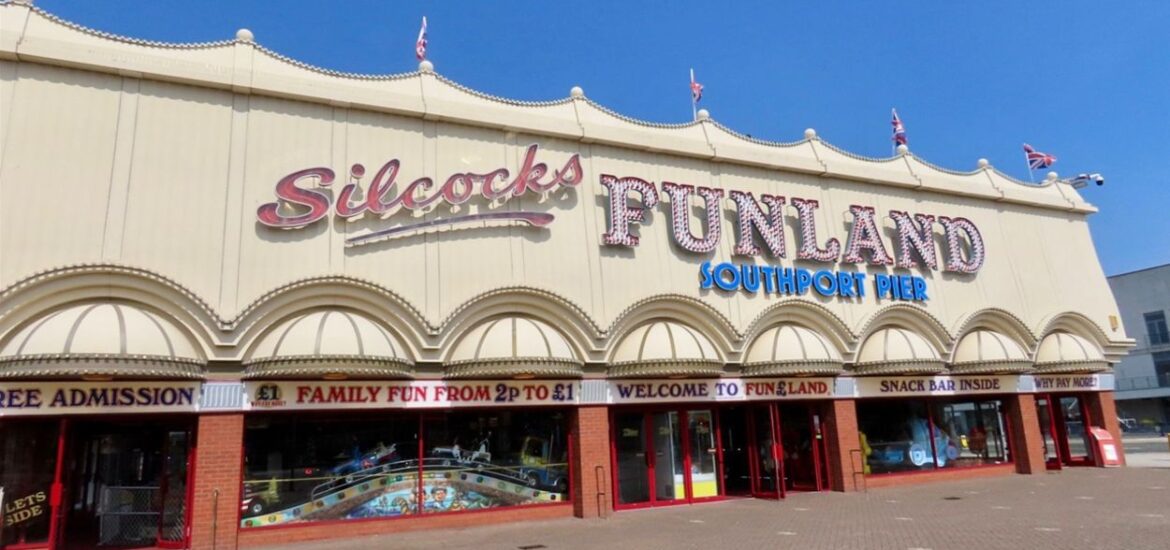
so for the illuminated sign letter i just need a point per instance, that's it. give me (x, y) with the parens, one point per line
(865, 236)
(915, 238)
(808, 235)
(954, 227)
(749, 215)
(680, 216)
(621, 214)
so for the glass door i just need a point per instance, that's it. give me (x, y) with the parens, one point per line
(1075, 445)
(803, 449)
(703, 466)
(766, 469)
(1052, 457)
(173, 519)
(667, 460)
(631, 458)
(665, 457)
(735, 451)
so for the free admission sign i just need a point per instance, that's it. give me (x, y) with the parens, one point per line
(41, 398)
(414, 394)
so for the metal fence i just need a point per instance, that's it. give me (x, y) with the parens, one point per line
(1131, 383)
(128, 516)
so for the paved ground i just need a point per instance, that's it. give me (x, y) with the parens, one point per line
(1147, 451)
(1077, 508)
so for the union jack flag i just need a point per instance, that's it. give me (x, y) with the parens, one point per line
(1036, 159)
(696, 88)
(420, 45)
(899, 130)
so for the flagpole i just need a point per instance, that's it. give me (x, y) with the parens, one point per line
(1031, 173)
(694, 107)
(894, 142)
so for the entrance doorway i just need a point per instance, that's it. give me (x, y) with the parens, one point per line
(663, 457)
(671, 456)
(803, 447)
(125, 484)
(747, 445)
(1064, 429)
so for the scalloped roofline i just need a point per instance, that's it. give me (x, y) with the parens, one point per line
(31, 34)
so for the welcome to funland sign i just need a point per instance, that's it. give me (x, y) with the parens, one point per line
(630, 198)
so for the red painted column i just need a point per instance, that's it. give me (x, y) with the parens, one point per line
(1027, 444)
(1103, 413)
(218, 468)
(592, 496)
(844, 446)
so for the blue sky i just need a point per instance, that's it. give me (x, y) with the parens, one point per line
(1087, 81)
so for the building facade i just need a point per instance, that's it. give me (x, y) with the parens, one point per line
(244, 300)
(1143, 376)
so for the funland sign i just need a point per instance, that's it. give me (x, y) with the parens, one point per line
(300, 202)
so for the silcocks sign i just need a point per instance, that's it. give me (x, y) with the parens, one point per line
(385, 196)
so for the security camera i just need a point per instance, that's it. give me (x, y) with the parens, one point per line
(1082, 180)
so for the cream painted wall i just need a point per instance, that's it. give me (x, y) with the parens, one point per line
(143, 170)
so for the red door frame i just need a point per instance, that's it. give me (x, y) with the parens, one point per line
(754, 466)
(684, 412)
(1057, 462)
(817, 446)
(59, 493)
(652, 458)
(1087, 459)
(189, 485)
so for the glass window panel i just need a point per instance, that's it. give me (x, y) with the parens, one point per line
(28, 459)
(633, 471)
(969, 433)
(895, 435)
(1074, 425)
(328, 468)
(1044, 413)
(704, 477)
(669, 483)
(494, 459)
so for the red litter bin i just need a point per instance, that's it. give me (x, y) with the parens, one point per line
(1107, 454)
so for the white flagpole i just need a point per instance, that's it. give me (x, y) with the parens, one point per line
(694, 107)
(1031, 174)
(894, 142)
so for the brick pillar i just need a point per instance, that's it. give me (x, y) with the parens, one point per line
(593, 495)
(1103, 413)
(218, 467)
(1027, 444)
(843, 445)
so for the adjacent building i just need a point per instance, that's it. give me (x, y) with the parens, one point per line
(1143, 376)
(247, 301)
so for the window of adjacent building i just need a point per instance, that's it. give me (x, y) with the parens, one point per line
(322, 468)
(907, 435)
(1156, 328)
(1162, 368)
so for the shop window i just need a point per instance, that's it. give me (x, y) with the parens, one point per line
(896, 433)
(301, 469)
(28, 458)
(481, 460)
(971, 433)
(906, 435)
(314, 469)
